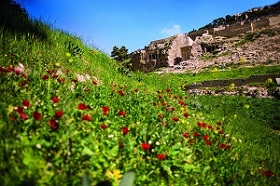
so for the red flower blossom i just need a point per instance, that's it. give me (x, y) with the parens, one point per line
(53, 124)
(59, 80)
(160, 156)
(120, 92)
(37, 115)
(205, 137)
(122, 113)
(19, 110)
(175, 119)
(44, 77)
(26, 103)
(125, 130)
(228, 147)
(218, 123)
(94, 82)
(268, 173)
(168, 109)
(186, 115)
(103, 126)
(182, 103)
(55, 99)
(74, 80)
(23, 83)
(10, 68)
(191, 141)
(50, 71)
(173, 108)
(82, 106)
(67, 71)
(121, 145)
(202, 125)
(168, 90)
(222, 146)
(105, 110)
(160, 116)
(210, 127)
(17, 71)
(163, 104)
(186, 135)
(23, 116)
(86, 117)
(146, 146)
(208, 142)
(195, 134)
(54, 76)
(58, 114)
(221, 132)
(136, 90)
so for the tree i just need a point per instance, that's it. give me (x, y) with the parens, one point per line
(120, 54)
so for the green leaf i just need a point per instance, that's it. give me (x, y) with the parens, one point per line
(128, 179)
(87, 151)
(86, 181)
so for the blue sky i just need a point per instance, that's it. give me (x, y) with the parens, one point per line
(103, 24)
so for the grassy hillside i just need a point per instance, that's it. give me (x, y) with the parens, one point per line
(67, 115)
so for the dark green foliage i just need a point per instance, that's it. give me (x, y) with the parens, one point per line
(15, 19)
(73, 49)
(120, 54)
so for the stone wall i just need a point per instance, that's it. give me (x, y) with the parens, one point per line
(234, 30)
(236, 81)
(274, 20)
(260, 24)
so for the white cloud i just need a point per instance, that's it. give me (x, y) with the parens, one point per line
(175, 29)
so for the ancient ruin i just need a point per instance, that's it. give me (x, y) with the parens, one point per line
(186, 48)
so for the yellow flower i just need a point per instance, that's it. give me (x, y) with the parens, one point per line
(115, 174)
(10, 109)
(57, 64)
(68, 54)
(246, 106)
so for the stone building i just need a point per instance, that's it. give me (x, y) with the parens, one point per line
(162, 53)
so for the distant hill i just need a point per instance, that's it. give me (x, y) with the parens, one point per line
(248, 16)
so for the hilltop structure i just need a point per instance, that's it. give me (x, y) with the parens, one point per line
(189, 46)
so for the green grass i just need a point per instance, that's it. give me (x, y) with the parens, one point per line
(55, 131)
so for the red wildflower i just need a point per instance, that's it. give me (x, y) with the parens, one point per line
(221, 132)
(202, 125)
(186, 115)
(218, 123)
(195, 134)
(268, 173)
(17, 71)
(175, 119)
(121, 145)
(125, 130)
(122, 113)
(175, 97)
(37, 115)
(208, 142)
(23, 83)
(53, 124)
(136, 90)
(120, 92)
(74, 80)
(67, 71)
(50, 71)
(55, 99)
(103, 126)
(191, 141)
(163, 104)
(82, 106)
(205, 137)
(26, 103)
(186, 135)
(210, 127)
(10, 68)
(54, 76)
(160, 156)
(86, 117)
(58, 114)
(160, 116)
(44, 77)
(105, 110)
(146, 146)
(228, 147)
(59, 80)
(19, 110)
(23, 116)
(222, 146)
(173, 108)
(168, 109)
(182, 103)
(94, 82)
(168, 90)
